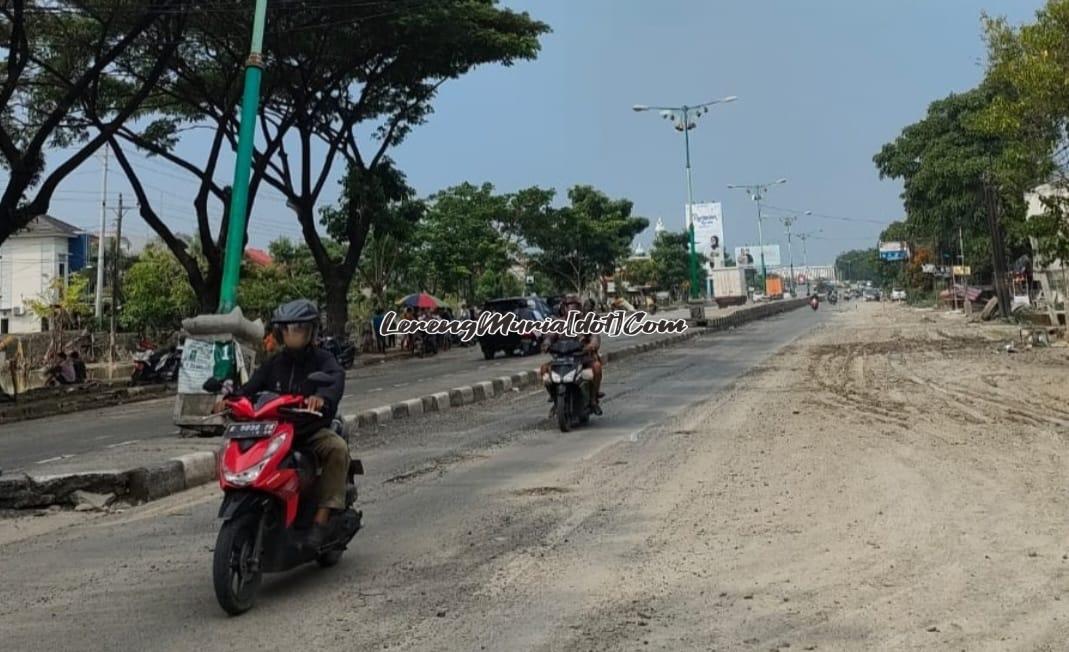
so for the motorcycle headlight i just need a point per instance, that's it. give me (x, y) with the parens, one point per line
(554, 376)
(569, 377)
(249, 475)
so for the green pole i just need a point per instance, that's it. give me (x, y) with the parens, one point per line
(694, 291)
(239, 198)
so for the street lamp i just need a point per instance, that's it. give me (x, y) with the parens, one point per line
(681, 117)
(757, 192)
(804, 237)
(788, 220)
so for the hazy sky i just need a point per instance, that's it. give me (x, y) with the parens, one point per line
(822, 84)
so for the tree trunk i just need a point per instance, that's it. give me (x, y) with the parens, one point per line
(337, 295)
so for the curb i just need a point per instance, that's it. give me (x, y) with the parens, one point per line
(79, 401)
(187, 471)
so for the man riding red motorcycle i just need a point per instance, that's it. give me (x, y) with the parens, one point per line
(294, 325)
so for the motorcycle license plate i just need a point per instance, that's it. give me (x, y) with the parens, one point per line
(250, 430)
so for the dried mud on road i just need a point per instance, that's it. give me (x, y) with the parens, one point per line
(892, 481)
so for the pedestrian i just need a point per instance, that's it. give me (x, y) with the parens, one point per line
(80, 372)
(62, 373)
(376, 325)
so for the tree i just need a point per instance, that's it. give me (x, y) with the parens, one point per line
(333, 71)
(391, 249)
(639, 272)
(584, 241)
(60, 64)
(460, 240)
(157, 295)
(943, 161)
(671, 258)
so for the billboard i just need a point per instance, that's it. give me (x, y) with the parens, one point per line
(750, 256)
(894, 251)
(709, 232)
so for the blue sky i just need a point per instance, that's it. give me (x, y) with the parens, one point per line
(822, 85)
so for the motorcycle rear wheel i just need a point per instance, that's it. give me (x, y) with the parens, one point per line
(235, 574)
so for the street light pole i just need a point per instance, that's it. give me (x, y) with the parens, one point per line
(239, 199)
(757, 192)
(681, 116)
(788, 220)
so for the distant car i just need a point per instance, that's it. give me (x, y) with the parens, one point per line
(898, 294)
(529, 308)
(871, 295)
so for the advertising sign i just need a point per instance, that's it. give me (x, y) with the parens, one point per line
(750, 256)
(709, 232)
(894, 251)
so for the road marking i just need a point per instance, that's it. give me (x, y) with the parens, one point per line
(400, 384)
(55, 459)
(123, 443)
(376, 389)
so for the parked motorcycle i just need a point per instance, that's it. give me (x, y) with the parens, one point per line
(156, 366)
(344, 352)
(569, 384)
(269, 501)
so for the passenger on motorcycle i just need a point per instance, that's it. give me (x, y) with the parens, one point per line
(294, 325)
(591, 346)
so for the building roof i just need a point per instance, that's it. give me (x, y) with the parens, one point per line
(46, 225)
(258, 257)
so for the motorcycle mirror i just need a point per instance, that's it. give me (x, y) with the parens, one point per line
(213, 385)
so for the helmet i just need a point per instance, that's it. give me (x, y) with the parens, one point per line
(568, 300)
(298, 311)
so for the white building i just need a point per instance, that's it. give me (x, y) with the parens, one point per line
(29, 262)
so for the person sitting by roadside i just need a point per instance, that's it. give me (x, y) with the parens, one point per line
(81, 374)
(62, 373)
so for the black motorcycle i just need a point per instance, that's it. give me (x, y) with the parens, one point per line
(569, 384)
(157, 366)
(344, 352)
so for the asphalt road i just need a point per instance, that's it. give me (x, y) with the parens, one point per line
(456, 507)
(26, 443)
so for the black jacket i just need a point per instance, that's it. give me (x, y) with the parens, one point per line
(286, 371)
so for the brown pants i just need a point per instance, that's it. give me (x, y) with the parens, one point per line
(332, 453)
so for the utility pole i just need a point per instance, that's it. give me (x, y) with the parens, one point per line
(116, 263)
(239, 199)
(998, 247)
(757, 192)
(787, 222)
(99, 306)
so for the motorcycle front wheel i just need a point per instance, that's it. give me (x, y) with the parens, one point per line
(236, 572)
(564, 413)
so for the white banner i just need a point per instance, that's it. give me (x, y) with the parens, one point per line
(750, 256)
(709, 232)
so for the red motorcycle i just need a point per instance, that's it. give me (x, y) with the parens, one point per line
(268, 503)
(814, 303)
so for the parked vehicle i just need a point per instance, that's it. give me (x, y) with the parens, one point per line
(871, 294)
(344, 351)
(156, 366)
(569, 384)
(898, 294)
(774, 287)
(759, 297)
(529, 308)
(729, 286)
(268, 496)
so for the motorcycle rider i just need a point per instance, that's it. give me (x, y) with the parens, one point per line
(591, 345)
(294, 327)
